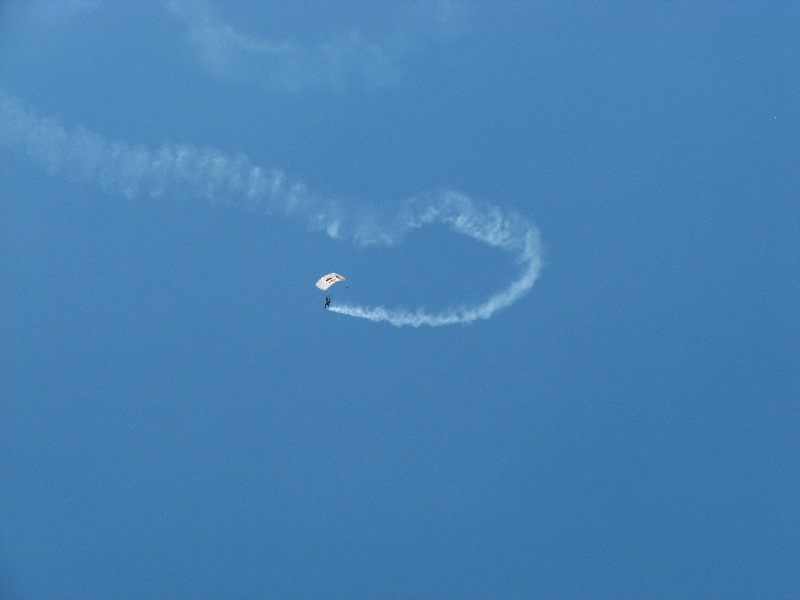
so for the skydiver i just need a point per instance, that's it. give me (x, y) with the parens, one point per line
(327, 301)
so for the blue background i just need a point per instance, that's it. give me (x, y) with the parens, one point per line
(181, 419)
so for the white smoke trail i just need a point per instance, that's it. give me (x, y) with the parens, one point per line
(336, 60)
(173, 170)
(185, 170)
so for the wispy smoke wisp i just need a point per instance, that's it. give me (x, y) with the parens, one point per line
(180, 170)
(336, 60)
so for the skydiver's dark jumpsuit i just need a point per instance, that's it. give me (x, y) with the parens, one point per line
(327, 302)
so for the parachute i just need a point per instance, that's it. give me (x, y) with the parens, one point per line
(328, 280)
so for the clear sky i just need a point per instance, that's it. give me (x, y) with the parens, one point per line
(564, 362)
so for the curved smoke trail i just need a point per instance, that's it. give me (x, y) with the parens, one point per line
(485, 223)
(185, 170)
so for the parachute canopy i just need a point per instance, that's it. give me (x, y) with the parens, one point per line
(328, 280)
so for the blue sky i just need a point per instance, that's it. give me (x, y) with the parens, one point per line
(181, 418)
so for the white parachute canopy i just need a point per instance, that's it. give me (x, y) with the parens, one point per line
(328, 280)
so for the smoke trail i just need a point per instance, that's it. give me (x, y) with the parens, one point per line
(338, 60)
(173, 170)
(185, 170)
